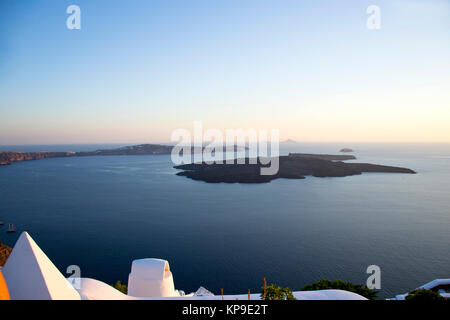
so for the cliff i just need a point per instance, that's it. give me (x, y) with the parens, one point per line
(9, 157)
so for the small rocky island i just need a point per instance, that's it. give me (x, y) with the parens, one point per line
(293, 166)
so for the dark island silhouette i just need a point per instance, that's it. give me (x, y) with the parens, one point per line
(293, 166)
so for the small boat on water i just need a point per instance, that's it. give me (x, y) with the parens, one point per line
(1, 223)
(11, 228)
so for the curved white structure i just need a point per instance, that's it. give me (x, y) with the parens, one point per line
(151, 278)
(91, 289)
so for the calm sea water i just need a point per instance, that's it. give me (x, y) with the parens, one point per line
(102, 212)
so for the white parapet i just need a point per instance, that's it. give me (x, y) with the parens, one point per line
(442, 286)
(151, 278)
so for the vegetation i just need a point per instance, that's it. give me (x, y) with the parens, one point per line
(121, 287)
(273, 292)
(4, 253)
(342, 285)
(424, 295)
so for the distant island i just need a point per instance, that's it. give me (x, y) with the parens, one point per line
(145, 149)
(330, 157)
(288, 141)
(141, 149)
(346, 150)
(293, 166)
(8, 157)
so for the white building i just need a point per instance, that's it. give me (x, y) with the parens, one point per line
(30, 275)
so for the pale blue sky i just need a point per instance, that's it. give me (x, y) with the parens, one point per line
(139, 69)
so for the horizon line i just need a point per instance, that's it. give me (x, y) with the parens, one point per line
(169, 143)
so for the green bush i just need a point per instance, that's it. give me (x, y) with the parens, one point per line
(325, 284)
(121, 287)
(273, 292)
(424, 295)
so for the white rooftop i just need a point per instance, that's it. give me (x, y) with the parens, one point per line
(30, 275)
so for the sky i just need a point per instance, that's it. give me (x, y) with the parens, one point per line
(139, 69)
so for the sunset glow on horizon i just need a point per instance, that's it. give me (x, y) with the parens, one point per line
(138, 70)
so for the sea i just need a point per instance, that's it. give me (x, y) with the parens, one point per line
(102, 212)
